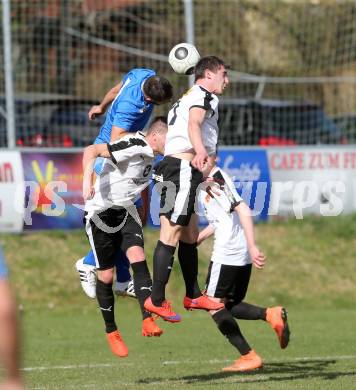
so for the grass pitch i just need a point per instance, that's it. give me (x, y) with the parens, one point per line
(310, 270)
(67, 350)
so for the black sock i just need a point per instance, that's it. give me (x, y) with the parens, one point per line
(230, 329)
(246, 311)
(142, 283)
(188, 260)
(105, 298)
(162, 267)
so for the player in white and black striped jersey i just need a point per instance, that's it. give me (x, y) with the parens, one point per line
(192, 137)
(112, 222)
(228, 278)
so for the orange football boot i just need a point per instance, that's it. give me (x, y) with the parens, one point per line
(203, 302)
(165, 311)
(277, 318)
(248, 362)
(150, 328)
(117, 345)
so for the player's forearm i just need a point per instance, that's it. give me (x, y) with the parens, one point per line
(110, 96)
(89, 157)
(195, 137)
(205, 233)
(90, 153)
(246, 221)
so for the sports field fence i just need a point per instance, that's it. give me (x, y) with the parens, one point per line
(292, 65)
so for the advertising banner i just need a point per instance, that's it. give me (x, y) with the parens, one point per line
(292, 181)
(11, 192)
(312, 180)
(250, 172)
(53, 190)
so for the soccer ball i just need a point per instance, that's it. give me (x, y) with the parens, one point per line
(183, 57)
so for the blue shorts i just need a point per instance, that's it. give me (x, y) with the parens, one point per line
(3, 268)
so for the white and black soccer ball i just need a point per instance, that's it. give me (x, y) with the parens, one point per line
(183, 57)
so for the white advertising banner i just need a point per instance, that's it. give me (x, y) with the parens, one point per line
(312, 180)
(11, 192)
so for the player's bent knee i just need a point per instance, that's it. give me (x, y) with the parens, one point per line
(135, 254)
(106, 276)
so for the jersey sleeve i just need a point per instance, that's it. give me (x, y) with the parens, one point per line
(200, 99)
(125, 149)
(126, 76)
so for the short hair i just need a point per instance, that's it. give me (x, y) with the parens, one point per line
(159, 125)
(211, 63)
(157, 88)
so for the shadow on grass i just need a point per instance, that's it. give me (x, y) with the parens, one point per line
(271, 372)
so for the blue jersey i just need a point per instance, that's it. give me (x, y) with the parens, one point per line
(3, 268)
(129, 110)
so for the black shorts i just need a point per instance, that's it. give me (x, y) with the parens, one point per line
(177, 182)
(109, 231)
(228, 281)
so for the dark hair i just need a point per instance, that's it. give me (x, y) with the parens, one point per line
(157, 88)
(211, 63)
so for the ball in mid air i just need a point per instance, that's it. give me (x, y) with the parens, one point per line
(183, 57)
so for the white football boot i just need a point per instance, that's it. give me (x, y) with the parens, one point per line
(87, 275)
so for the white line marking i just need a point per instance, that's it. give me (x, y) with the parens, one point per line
(176, 362)
(217, 361)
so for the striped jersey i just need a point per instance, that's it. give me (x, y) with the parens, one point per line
(177, 140)
(230, 245)
(125, 175)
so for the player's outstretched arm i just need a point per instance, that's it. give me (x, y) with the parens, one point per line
(244, 212)
(205, 233)
(108, 99)
(91, 152)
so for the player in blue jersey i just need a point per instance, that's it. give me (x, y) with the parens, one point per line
(9, 349)
(131, 105)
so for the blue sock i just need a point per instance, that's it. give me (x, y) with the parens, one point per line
(122, 267)
(89, 259)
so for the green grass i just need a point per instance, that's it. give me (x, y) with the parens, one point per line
(66, 349)
(309, 261)
(310, 270)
